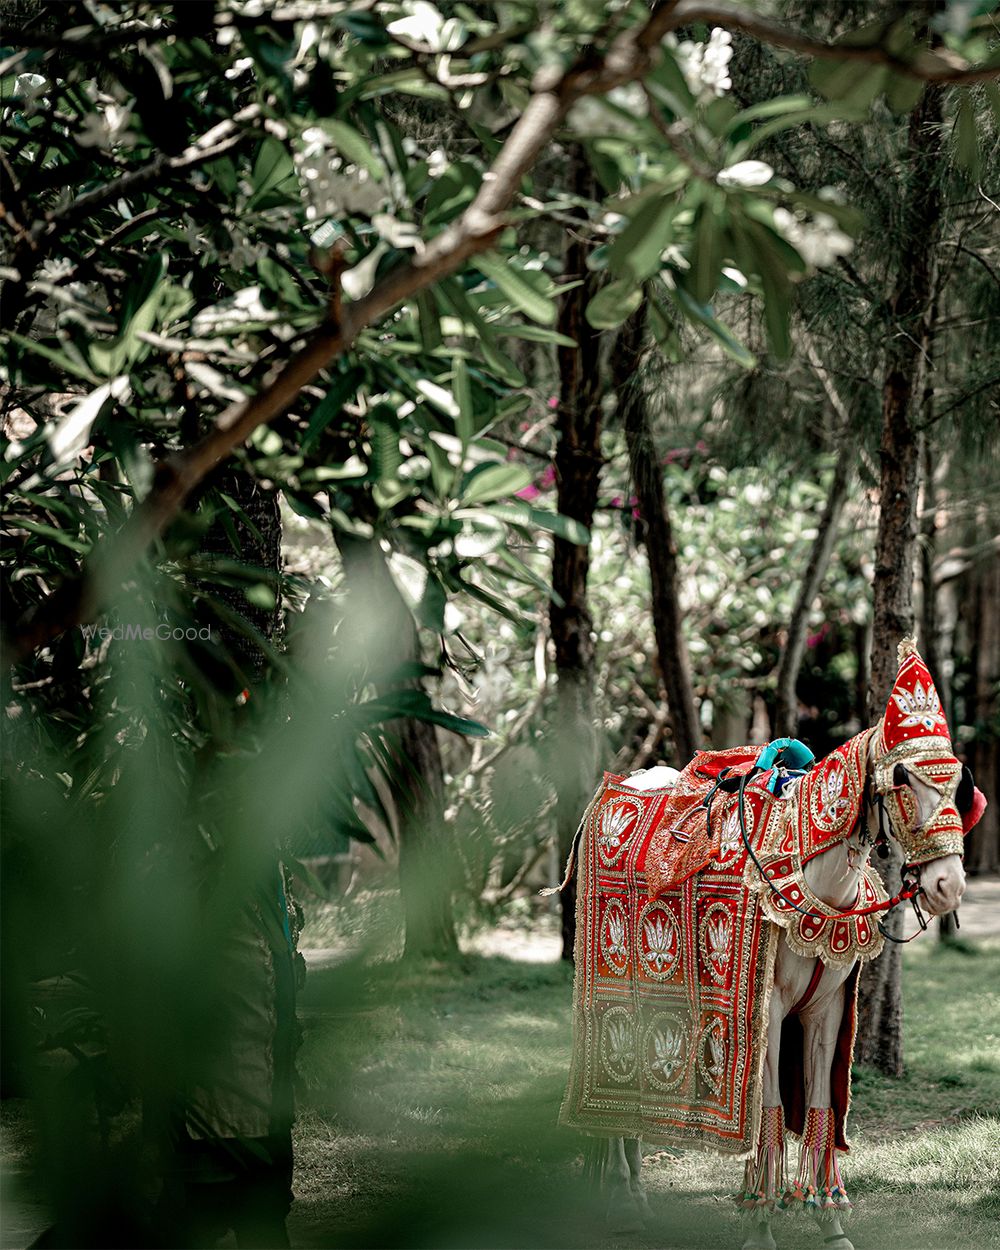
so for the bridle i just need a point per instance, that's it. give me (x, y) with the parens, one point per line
(911, 884)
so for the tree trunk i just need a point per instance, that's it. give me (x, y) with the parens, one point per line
(657, 534)
(578, 469)
(880, 1014)
(786, 717)
(982, 849)
(426, 866)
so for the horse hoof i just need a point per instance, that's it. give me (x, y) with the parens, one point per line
(625, 1216)
(760, 1239)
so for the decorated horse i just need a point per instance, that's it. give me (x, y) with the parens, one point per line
(723, 914)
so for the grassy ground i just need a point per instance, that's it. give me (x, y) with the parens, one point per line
(430, 1102)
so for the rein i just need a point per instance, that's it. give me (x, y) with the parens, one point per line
(909, 891)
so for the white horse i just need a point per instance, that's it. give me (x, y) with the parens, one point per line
(913, 778)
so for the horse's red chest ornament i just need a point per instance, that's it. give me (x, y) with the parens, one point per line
(686, 894)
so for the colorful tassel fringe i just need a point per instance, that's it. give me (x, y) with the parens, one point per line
(764, 1180)
(818, 1184)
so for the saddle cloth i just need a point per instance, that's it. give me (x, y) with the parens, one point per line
(674, 966)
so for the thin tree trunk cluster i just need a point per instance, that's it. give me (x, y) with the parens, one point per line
(578, 465)
(880, 1022)
(786, 716)
(657, 535)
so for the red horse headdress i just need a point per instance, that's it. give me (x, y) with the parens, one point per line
(913, 741)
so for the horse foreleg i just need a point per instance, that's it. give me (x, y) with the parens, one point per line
(764, 1179)
(627, 1204)
(633, 1156)
(819, 1182)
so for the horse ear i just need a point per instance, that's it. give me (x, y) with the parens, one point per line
(965, 791)
(899, 776)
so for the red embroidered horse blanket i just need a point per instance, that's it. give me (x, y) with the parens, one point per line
(675, 954)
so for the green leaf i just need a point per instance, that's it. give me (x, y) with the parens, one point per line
(785, 104)
(707, 252)
(272, 166)
(635, 253)
(817, 115)
(772, 267)
(353, 145)
(365, 27)
(517, 289)
(902, 92)
(443, 472)
(534, 334)
(520, 513)
(466, 423)
(340, 389)
(54, 356)
(429, 323)
(417, 704)
(703, 315)
(613, 304)
(386, 456)
(50, 531)
(854, 82)
(494, 481)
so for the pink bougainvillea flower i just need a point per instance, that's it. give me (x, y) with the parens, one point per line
(701, 447)
(549, 476)
(527, 492)
(553, 401)
(815, 639)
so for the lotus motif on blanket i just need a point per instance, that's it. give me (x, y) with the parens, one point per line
(920, 707)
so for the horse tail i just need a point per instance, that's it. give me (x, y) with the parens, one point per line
(574, 846)
(595, 1161)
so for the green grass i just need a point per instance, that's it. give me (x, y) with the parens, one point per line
(430, 1099)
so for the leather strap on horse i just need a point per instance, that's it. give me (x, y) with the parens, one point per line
(908, 892)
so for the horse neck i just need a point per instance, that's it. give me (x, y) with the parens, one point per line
(835, 874)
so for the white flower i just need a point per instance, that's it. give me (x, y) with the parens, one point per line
(745, 174)
(705, 66)
(238, 66)
(55, 269)
(819, 242)
(629, 97)
(423, 24)
(437, 163)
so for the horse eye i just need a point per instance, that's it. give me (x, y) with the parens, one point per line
(965, 791)
(900, 777)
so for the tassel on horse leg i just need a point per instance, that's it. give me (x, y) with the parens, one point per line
(818, 1184)
(764, 1179)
